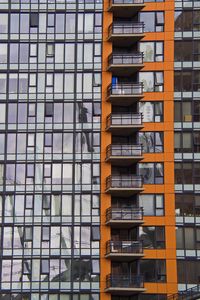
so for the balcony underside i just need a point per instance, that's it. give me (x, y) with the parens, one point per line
(124, 130)
(123, 160)
(124, 256)
(124, 223)
(124, 100)
(124, 291)
(124, 70)
(125, 10)
(124, 39)
(124, 192)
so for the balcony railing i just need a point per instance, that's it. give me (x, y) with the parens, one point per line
(123, 151)
(124, 120)
(126, 28)
(124, 247)
(125, 181)
(126, 2)
(125, 59)
(124, 214)
(124, 281)
(125, 89)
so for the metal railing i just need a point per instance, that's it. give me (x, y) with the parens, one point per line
(189, 294)
(125, 181)
(124, 214)
(125, 89)
(125, 59)
(126, 28)
(126, 2)
(124, 119)
(123, 247)
(123, 150)
(124, 281)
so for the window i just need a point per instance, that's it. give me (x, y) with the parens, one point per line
(188, 271)
(47, 173)
(30, 172)
(33, 50)
(3, 23)
(32, 80)
(153, 270)
(50, 50)
(95, 233)
(187, 173)
(187, 142)
(44, 266)
(34, 20)
(28, 236)
(3, 53)
(152, 173)
(151, 142)
(183, 110)
(153, 237)
(153, 205)
(151, 111)
(3, 80)
(153, 51)
(50, 20)
(187, 205)
(49, 110)
(45, 234)
(188, 238)
(154, 21)
(152, 81)
(187, 20)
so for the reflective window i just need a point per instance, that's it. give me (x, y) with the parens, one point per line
(152, 81)
(152, 173)
(153, 205)
(153, 237)
(154, 21)
(153, 51)
(152, 141)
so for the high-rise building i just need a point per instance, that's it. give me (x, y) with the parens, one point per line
(99, 149)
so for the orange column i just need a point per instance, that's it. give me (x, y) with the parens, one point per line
(105, 141)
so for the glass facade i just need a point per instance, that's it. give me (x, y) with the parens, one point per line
(186, 123)
(50, 103)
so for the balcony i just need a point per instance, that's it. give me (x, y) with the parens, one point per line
(123, 154)
(124, 94)
(124, 284)
(125, 8)
(125, 33)
(124, 217)
(124, 186)
(125, 64)
(124, 124)
(124, 250)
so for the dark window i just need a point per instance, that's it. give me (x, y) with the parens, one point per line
(95, 233)
(188, 205)
(153, 270)
(188, 271)
(187, 173)
(34, 20)
(49, 110)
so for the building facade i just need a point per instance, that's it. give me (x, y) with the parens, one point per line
(99, 149)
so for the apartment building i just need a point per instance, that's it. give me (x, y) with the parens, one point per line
(99, 149)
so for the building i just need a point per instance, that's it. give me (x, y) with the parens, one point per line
(99, 149)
